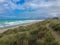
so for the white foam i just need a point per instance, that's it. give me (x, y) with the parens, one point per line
(17, 23)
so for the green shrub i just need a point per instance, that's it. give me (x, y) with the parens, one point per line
(34, 34)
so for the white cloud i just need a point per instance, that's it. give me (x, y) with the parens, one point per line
(51, 7)
(1, 1)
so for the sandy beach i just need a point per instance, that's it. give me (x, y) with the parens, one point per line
(16, 26)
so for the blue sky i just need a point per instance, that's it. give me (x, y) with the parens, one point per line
(29, 8)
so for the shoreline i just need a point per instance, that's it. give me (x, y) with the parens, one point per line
(16, 26)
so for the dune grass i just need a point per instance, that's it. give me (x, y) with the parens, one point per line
(34, 34)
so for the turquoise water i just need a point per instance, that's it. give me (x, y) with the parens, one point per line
(3, 21)
(6, 23)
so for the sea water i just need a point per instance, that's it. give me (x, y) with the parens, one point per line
(7, 23)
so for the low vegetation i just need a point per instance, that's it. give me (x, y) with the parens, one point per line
(55, 25)
(34, 34)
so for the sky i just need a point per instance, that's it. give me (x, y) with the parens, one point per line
(24, 9)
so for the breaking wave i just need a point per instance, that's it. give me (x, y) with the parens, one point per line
(14, 23)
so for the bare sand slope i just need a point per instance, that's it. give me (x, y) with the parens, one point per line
(5, 29)
(12, 27)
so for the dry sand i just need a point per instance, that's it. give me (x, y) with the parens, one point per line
(12, 27)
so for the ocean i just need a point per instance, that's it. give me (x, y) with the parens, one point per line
(7, 23)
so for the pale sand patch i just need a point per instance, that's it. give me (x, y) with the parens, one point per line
(12, 27)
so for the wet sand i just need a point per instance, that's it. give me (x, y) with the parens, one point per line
(16, 26)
